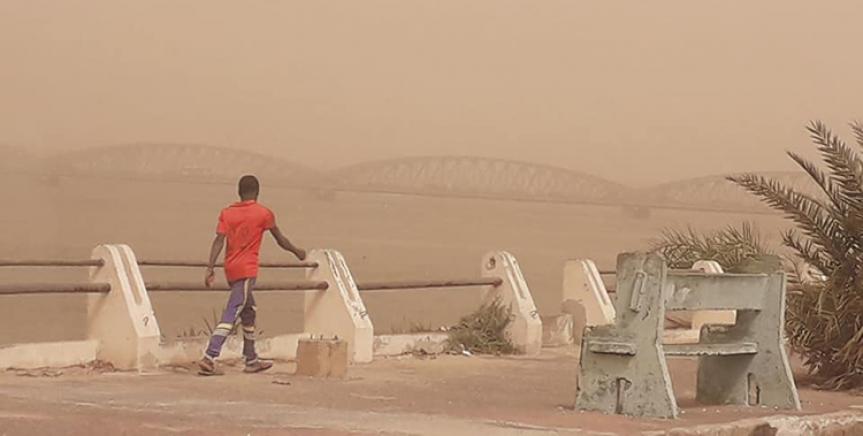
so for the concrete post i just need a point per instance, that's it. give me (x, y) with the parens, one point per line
(583, 286)
(525, 331)
(585, 298)
(123, 320)
(338, 311)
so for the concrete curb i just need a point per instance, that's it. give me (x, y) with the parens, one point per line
(399, 345)
(837, 423)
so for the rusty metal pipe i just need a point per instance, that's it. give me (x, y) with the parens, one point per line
(51, 262)
(426, 284)
(55, 288)
(193, 264)
(200, 287)
(163, 263)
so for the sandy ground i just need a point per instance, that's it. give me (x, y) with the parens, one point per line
(448, 395)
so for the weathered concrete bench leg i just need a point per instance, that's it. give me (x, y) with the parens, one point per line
(338, 311)
(722, 380)
(525, 330)
(764, 378)
(623, 367)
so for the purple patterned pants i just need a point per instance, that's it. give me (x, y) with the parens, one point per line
(241, 307)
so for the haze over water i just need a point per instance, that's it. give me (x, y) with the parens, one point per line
(638, 92)
(635, 92)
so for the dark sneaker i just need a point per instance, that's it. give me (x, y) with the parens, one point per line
(257, 366)
(207, 366)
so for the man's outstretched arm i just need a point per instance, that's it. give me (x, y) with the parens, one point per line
(286, 244)
(215, 251)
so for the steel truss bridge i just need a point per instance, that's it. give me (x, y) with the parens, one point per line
(446, 176)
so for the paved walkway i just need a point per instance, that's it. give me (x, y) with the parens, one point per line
(444, 396)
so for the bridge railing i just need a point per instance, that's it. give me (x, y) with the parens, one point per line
(122, 327)
(501, 279)
(331, 307)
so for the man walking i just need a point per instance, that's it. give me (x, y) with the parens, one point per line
(242, 225)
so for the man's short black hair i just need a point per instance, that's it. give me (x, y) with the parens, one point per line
(249, 187)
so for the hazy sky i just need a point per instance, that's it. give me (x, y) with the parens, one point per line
(639, 92)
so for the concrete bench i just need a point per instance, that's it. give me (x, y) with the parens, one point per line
(623, 366)
(587, 301)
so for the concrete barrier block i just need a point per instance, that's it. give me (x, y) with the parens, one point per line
(525, 331)
(557, 330)
(339, 311)
(583, 289)
(122, 321)
(322, 358)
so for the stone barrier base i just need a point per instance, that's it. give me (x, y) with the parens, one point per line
(398, 345)
(48, 354)
(832, 424)
(282, 347)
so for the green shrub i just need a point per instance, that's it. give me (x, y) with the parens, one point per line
(483, 331)
(729, 247)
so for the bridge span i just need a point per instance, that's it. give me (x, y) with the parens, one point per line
(445, 176)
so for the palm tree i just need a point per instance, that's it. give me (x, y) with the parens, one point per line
(731, 246)
(825, 320)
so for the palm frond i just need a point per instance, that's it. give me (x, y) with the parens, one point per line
(857, 128)
(806, 250)
(730, 247)
(811, 216)
(845, 166)
(821, 179)
(824, 320)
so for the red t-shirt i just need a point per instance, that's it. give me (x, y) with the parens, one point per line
(244, 224)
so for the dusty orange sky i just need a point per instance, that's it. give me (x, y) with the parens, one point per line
(639, 92)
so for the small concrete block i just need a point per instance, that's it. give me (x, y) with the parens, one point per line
(322, 358)
(312, 358)
(557, 330)
(338, 358)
